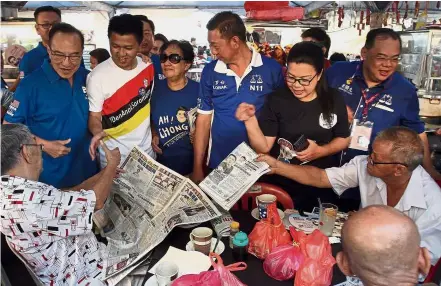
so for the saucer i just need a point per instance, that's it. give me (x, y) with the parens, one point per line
(220, 247)
(151, 281)
(255, 213)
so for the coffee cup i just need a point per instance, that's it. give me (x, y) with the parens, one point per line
(201, 239)
(166, 272)
(262, 202)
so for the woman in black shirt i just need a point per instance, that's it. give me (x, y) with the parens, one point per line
(304, 106)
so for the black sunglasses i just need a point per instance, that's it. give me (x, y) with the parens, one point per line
(173, 58)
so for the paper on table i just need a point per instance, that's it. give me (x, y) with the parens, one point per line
(199, 261)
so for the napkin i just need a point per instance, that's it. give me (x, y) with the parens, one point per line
(199, 261)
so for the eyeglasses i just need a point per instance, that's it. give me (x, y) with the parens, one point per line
(302, 81)
(47, 26)
(58, 58)
(373, 163)
(173, 58)
(39, 145)
(383, 59)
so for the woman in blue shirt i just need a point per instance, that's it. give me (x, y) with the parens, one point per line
(172, 99)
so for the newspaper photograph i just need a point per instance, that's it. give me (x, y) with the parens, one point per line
(145, 204)
(234, 176)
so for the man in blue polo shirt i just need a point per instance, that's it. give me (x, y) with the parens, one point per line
(45, 18)
(377, 97)
(53, 103)
(239, 75)
(148, 29)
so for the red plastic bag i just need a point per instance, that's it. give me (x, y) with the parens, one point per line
(268, 234)
(316, 270)
(220, 276)
(283, 261)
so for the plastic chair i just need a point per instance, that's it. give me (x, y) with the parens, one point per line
(433, 271)
(283, 198)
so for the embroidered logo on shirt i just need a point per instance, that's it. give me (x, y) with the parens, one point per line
(256, 83)
(219, 85)
(386, 99)
(346, 88)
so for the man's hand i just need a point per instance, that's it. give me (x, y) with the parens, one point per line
(57, 148)
(155, 144)
(245, 111)
(311, 153)
(95, 142)
(197, 176)
(113, 157)
(272, 162)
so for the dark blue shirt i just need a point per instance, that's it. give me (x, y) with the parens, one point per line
(170, 122)
(397, 103)
(157, 65)
(222, 91)
(33, 59)
(55, 110)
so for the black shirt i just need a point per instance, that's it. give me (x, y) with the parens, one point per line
(285, 116)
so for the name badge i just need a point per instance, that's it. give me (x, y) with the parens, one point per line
(361, 135)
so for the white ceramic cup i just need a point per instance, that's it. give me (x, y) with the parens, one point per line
(201, 239)
(165, 273)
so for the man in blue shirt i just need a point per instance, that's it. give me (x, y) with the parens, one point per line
(53, 103)
(147, 45)
(374, 92)
(239, 75)
(45, 18)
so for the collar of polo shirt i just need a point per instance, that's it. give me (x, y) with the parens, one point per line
(49, 71)
(412, 196)
(256, 61)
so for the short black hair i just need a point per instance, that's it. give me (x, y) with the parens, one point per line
(161, 37)
(229, 25)
(65, 28)
(382, 33)
(185, 46)
(320, 36)
(144, 18)
(337, 57)
(46, 9)
(100, 54)
(126, 24)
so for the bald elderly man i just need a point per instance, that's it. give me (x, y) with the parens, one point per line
(381, 246)
(391, 175)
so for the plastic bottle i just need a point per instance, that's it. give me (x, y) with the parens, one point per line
(240, 244)
(234, 228)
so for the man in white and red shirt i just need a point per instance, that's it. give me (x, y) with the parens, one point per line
(50, 229)
(119, 91)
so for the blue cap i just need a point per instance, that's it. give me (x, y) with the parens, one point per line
(240, 239)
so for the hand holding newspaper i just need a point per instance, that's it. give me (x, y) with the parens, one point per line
(234, 176)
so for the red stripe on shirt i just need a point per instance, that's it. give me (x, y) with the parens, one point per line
(128, 91)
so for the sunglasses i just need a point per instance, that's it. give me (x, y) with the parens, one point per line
(173, 58)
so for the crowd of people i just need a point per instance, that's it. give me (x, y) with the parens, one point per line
(347, 133)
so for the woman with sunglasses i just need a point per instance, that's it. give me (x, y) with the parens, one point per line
(304, 107)
(171, 100)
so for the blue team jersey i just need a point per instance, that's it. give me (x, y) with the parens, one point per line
(55, 110)
(396, 105)
(222, 91)
(157, 66)
(170, 122)
(33, 59)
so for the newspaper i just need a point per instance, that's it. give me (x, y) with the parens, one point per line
(191, 118)
(221, 225)
(234, 176)
(145, 204)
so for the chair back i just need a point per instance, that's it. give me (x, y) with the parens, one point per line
(248, 200)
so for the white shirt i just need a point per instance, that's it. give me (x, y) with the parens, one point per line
(51, 230)
(421, 201)
(123, 98)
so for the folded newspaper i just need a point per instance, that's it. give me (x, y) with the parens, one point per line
(234, 176)
(146, 203)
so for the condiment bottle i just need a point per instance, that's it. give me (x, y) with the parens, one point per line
(234, 228)
(240, 244)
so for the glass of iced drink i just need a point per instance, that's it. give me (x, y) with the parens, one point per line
(328, 214)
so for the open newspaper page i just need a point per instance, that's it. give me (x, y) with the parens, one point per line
(146, 202)
(234, 176)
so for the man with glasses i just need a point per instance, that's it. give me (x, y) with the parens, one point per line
(48, 228)
(119, 91)
(378, 97)
(53, 103)
(390, 175)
